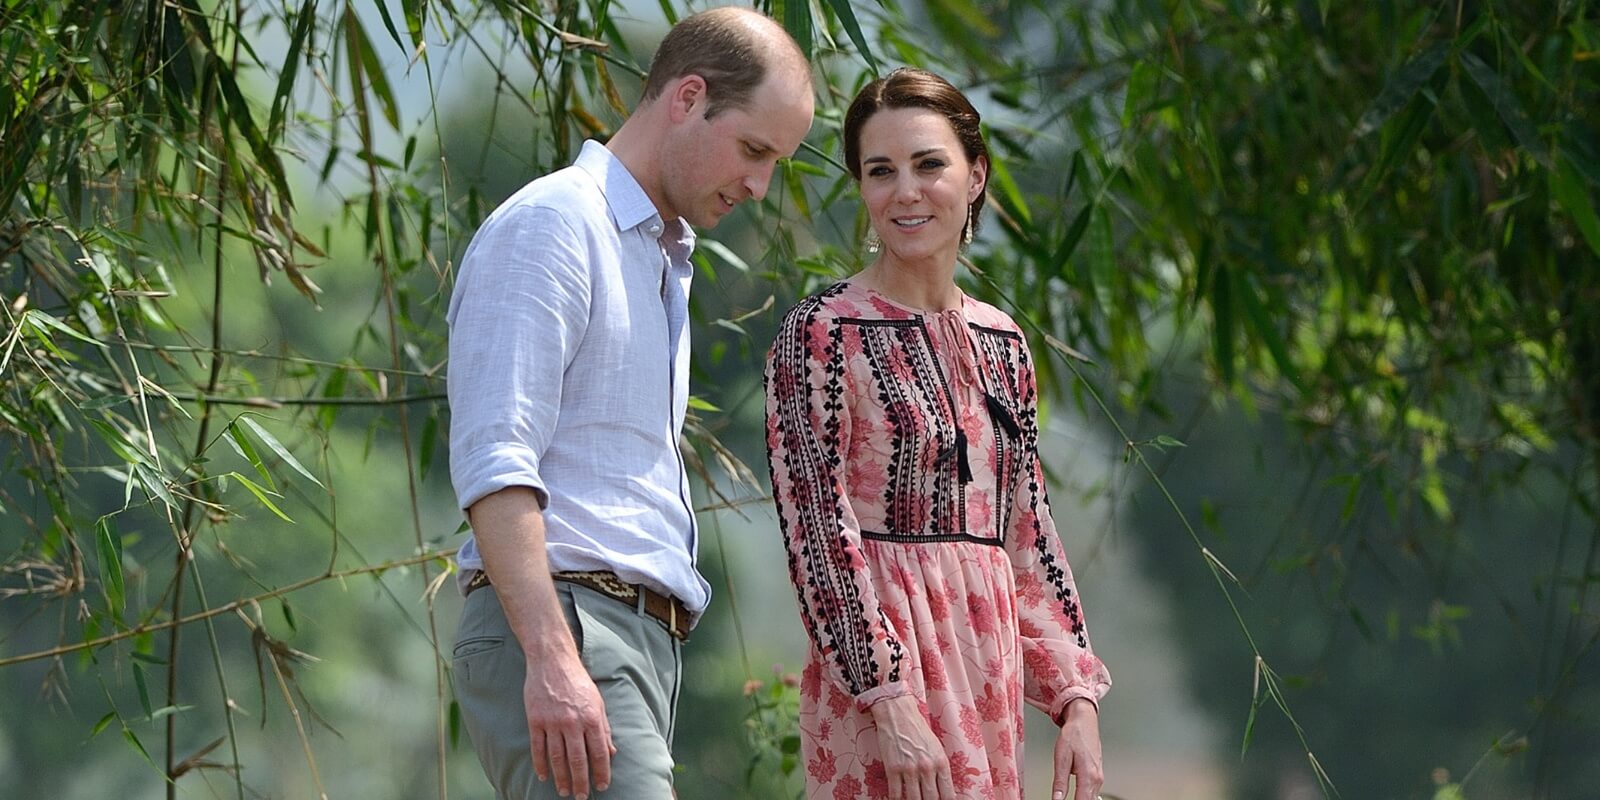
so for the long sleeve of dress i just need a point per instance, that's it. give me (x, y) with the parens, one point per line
(808, 428)
(1058, 662)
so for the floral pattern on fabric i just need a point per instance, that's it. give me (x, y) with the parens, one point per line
(904, 454)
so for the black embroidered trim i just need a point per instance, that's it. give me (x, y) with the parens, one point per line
(1012, 335)
(830, 600)
(902, 538)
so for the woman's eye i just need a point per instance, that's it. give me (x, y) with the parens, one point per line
(878, 171)
(932, 163)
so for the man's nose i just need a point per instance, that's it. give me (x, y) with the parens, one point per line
(759, 181)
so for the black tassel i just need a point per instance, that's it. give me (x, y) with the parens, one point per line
(1002, 416)
(958, 451)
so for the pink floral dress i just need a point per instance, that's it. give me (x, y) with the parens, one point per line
(903, 447)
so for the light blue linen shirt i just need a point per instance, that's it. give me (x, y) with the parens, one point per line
(568, 374)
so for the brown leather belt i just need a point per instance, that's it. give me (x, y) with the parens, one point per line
(669, 611)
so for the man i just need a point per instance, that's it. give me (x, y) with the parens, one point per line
(568, 385)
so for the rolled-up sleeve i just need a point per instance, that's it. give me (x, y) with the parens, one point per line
(517, 316)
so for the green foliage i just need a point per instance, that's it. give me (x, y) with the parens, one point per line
(1374, 223)
(772, 726)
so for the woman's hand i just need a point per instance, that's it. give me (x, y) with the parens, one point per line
(1078, 752)
(913, 759)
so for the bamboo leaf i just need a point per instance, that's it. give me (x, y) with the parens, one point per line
(797, 21)
(1102, 262)
(1249, 728)
(133, 740)
(235, 105)
(44, 323)
(143, 687)
(1069, 243)
(388, 23)
(332, 390)
(261, 495)
(167, 711)
(360, 46)
(430, 435)
(1400, 141)
(968, 15)
(847, 18)
(118, 443)
(724, 253)
(608, 87)
(1572, 194)
(110, 549)
(1010, 196)
(241, 445)
(305, 21)
(1401, 87)
(1266, 328)
(1141, 85)
(277, 447)
(1506, 105)
(1578, 148)
(796, 186)
(416, 17)
(669, 12)
(155, 485)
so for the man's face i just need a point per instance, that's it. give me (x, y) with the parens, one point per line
(710, 166)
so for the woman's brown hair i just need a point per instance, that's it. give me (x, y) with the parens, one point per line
(909, 87)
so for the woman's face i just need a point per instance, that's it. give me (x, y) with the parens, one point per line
(917, 183)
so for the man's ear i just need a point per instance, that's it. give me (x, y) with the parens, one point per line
(686, 98)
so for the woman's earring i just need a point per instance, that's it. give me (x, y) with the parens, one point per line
(874, 244)
(966, 235)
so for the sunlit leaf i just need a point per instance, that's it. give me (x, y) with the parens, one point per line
(723, 253)
(261, 495)
(277, 447)
(241, 445)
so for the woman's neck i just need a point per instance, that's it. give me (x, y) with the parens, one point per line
(922, 285)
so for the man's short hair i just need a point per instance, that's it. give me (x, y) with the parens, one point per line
(720, 46)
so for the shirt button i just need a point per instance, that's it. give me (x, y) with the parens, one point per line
(655, 230)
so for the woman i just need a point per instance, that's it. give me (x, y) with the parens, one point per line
(902, 433)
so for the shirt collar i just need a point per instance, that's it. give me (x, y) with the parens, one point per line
(630, 206)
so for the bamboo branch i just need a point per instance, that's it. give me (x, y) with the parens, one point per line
(225, 608)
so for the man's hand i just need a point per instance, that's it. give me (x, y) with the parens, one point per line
(570, 737)
(913, 759)
(567, 728)
(1078, 752)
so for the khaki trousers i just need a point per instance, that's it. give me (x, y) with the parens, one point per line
(634, 661)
